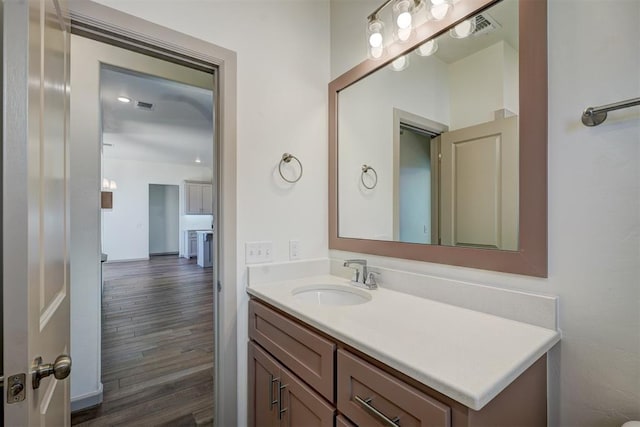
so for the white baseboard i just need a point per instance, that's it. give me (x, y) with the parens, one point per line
(87, 400)
(114, 261)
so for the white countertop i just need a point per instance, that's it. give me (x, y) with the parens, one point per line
(464, 354)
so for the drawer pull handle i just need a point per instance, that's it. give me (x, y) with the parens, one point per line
(367, 406)
(280, 409)
(271, 401)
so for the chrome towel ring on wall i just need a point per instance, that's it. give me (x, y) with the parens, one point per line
(286, 158)
(365, 170)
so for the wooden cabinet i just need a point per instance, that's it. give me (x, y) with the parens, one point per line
(198, 198)
(367, 395)
(307, 354)
(297, 370)
(279, 398)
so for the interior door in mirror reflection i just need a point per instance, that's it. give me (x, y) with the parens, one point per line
(479, 177)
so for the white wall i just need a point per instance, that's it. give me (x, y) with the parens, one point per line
(366, 115)
(482, 83)
(126, 227)
(283, 71)
(594, 206)
(164, 219)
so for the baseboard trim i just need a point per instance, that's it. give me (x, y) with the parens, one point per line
(87, 400)
(114, 261)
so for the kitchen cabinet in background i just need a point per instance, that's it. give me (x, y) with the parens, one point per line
(198, 198)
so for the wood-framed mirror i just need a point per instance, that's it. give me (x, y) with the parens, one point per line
(481, 201)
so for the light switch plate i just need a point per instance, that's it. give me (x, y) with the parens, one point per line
(258, 252)
(294, 249)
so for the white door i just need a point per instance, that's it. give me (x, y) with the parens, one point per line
(479, 185)
(36, 209)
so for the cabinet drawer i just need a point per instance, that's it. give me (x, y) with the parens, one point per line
(305, 353)
(367, 394)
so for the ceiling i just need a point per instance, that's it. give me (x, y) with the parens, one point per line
(504, 13)
(177, 129)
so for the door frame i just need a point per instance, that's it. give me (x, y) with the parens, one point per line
(401, 117)
(108, 25)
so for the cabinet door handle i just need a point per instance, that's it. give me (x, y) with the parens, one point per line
(271, 401)
(280, 409)
(367, 406)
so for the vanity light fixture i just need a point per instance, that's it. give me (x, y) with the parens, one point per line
(404, 13)
(124, 99)
(403, 19)
(439, 9)
(428, 48)
(375, 37)
(463, 29)
(400, 63)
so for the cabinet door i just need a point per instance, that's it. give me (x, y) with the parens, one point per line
(300, 406)
(194, 198)
(263, 388)
(207, 199)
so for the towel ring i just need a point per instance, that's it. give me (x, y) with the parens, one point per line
(286, 158)
(366, 169)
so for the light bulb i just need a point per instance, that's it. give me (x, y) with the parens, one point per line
(124, 99)
(375, 37)
(428, 48)
(439, 12)
(463, 29)
(404, 20)
(113, 185)
(404, 34)
(437, 2)
(105, 183)
(198, 160)
(376, 52)
(375, 40)
(400, 63)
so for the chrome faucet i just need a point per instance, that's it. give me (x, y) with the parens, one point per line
(368, 278)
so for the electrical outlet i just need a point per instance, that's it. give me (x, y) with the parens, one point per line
(294, 249)
(258, 252)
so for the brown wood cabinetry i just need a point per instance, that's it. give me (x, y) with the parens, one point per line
(294, 372)
(279, 398)
(368, 395)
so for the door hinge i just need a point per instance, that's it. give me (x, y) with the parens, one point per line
(219, 286)
(15, 388)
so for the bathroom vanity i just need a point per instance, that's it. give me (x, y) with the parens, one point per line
(388, 358)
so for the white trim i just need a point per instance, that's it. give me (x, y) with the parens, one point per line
(87, 400)
(225, 305)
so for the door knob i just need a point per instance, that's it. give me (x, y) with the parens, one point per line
(60, 369)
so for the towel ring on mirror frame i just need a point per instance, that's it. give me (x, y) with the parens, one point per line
(365, 169)
(286, 158)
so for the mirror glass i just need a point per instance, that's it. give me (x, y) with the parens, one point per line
(428, 145)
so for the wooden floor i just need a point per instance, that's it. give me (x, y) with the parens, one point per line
(157, 345)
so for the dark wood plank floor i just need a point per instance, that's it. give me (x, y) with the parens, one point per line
(157, 345)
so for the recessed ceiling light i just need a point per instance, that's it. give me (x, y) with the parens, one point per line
(198, 160)
(124, 99)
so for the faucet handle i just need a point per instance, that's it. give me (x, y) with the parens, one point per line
(370, 280)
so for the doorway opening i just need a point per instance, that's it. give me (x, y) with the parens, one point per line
(164, 219)
(154, 139)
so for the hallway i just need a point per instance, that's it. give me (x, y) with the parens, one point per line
(157, 345)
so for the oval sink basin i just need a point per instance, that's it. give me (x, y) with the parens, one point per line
(331, 295)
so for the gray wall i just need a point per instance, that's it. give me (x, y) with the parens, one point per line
(164, 219)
